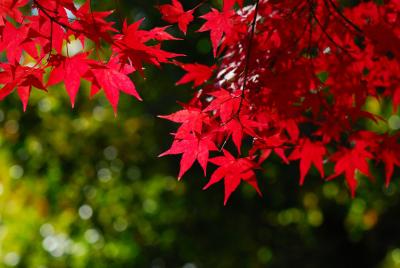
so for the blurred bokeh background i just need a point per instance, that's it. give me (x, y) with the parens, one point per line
(81, 188)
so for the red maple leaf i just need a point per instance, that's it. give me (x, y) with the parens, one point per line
(11, 8)
(192, 147)
(21, 77)
(219, 24)
(226, 103)
(176, 14)
(237, 127)
(68, 70)
(198, 73)
(131, 46)
(112, 78)
(233, 171)
(48, 33)
(12, 41)
(267, 145)
(191, 119)
(390, 156)
(159, 34)
(309, 153)
(348, 161)
(93, 24)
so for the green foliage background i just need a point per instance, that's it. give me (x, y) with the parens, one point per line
(81, 188)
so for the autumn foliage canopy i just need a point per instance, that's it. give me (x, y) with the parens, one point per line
(291, 78)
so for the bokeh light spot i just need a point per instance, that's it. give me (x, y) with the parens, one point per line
(11, 259)
(85, 212)
(16, 172)
(110, 153)
(394, 122)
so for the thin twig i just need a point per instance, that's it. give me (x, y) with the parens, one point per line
(53, 19)
(327, 34)
(336, 9)
(249, 47)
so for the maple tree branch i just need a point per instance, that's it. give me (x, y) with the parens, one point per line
(301, 2)
(64, 25)
(91, 14)
(310, 22)
(45, 8)
(249, 46)
(297, 38)
(246, 67)
(326, 23)
(223, 144)
(46, 12)
(98, 48)
(51, 40)
(53, 19)
(326, 33)
(336, 9)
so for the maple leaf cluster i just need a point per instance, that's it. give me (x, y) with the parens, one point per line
(65, 43)
(293, 80)
(290, 78)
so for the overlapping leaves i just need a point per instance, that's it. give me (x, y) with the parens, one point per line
(291, 78)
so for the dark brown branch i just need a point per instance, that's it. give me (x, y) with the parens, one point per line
(326, 33)
(53, 19)
(337, 10)
(248, 54)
